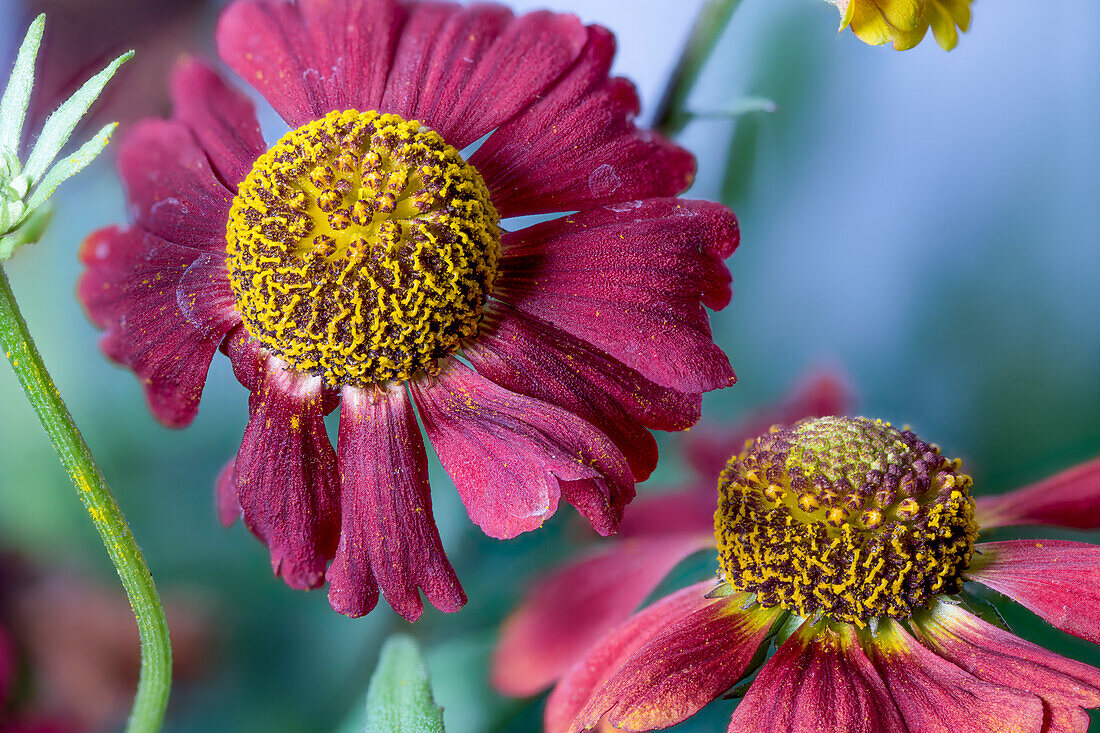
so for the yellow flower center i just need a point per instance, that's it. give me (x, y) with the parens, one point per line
(362, 248)
(845, 517)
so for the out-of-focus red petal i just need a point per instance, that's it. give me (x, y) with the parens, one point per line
(287, 482)
(820, 679)
(1067, 499)
(512, 457)
(631, 279)
(709, 446)
(8, 665)
(1058, 580)
(171, 188)
(464, 70)
(936, 696)
(221, 118)
(654, 515)
(388, 528)
(997, 656)
(681, 669)
(313, 57)
(589, 673)
(528, 356)
(578, 147)
(225, 494)
(573, 607)
(165, 309)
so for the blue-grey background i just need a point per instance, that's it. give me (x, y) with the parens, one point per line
(925, 222)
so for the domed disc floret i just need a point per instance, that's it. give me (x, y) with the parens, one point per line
(844, 517)
(362, 248)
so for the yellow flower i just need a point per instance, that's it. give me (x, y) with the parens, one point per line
(905, 22)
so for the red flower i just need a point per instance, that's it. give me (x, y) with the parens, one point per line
(353, 261)
(844, 545)
(575, 605)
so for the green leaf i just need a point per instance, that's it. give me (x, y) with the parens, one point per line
(17, 95)
(56, 131)
(400, 698)
(71, 165)
(28, 233)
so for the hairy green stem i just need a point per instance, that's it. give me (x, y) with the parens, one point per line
(155, 680)
(672, 113)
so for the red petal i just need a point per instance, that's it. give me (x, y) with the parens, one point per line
(577, 146)
(465, 70)
(679, 511)
(678, 671)
(573, 607)
(709, 447)
(512, 457)
(590, 673)
(313, 57)
(165, 309)
(225, 495)
(528, 356)
(631, 279)
(1058, 580)
(1067, 499)
(995, 655)
(387, 510)
(287, 481)
(172, 190)
(221, 118)
(8, 664)
(818, 680)
(934, 695)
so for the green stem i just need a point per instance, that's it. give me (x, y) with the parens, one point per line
(155, 680)
(672, 114)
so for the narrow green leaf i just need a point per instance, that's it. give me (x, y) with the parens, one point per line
(56, 131)
(743, 106)
(71, 165)
(28, 233)
(400, 698)
(17, 95)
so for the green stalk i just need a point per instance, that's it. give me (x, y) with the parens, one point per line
(155, 680)
(672, 114)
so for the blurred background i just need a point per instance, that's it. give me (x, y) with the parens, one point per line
(925, 223)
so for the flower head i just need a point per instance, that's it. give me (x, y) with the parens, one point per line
(26, 186)
(905, 22)
(847, 573)
(366, 260)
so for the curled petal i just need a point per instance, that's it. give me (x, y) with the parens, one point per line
(819, 679)
(287, 481)
(569, 610)
(1067, 499)
(165, 309)
(512, 457)
(682, 668)
(528, 356)
(455, 67)
(936, 696)
(313, 57)
(589, 674)
(578, 147)
(388, 529)
(171, 188)
(997, 656)
(1058, 580)
(632, 279)
(221, 118)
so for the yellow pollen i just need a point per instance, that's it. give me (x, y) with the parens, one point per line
(844, 518)
(362, 249)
